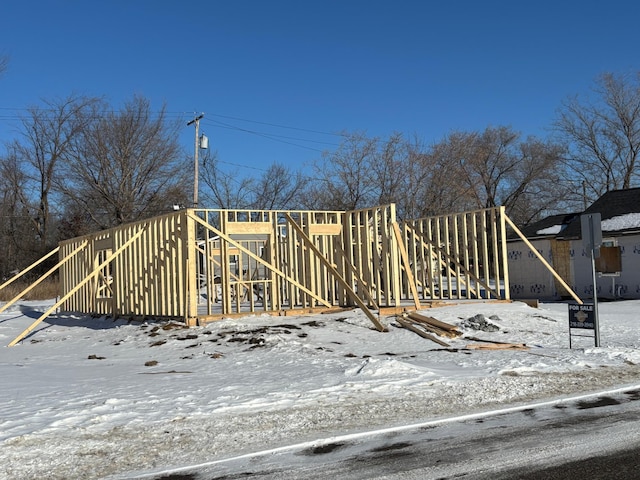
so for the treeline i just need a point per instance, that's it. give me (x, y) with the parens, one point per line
(79, 165)
(592, 147)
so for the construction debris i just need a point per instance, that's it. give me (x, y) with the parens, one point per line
(494, 345)
(415, 329)
(426, 327)
(434, 325)
(431, 328)
(497, 346)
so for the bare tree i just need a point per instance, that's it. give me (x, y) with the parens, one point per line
(388, 167)
(48, 134)
(128, 165)
(603, 134)
(225, 190)
(537, 186)
(434, 186)
(367, 171)
(485, 162)
(495, 168)
(344, 179)
(279, 188)
(17, 240)
(413, 177)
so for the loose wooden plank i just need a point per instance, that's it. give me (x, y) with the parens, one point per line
(476, 339)
(497, 346)
(431, 328)
(432, 321)
(420, 332)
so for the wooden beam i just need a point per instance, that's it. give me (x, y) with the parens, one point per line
(248, 228)
(365, 287)
(325, 229)
(544, 262)
(42, 278)
(30, 267)
(407, 267)
(497, 346)
(79, 285)
(505, 258)
(336, 274)
(228, 239)
(433, 321)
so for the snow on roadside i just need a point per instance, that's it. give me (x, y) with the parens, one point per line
(89, 398)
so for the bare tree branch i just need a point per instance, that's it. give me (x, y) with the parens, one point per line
(127, 165)
(603, 133)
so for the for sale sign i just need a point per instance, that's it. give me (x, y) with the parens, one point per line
(582, 316)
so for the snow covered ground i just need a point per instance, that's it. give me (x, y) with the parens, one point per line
(90, 398)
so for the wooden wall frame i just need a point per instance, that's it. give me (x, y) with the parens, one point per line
(199, 265)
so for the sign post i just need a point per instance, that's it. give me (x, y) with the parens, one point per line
(592, 239)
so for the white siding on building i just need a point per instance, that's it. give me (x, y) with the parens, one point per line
(528, 277)
(627, 285)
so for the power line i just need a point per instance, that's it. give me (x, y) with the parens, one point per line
(226, 125)
(241, 166)
(19, 111)
(274, 137)
(278, 125)
(289, 140)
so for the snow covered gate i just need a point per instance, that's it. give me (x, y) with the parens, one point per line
(198, 265)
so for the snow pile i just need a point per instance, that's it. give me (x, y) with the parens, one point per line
(92, 398)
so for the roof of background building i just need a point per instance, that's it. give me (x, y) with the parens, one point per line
(619, 213)
(547, 227)
(616, 204)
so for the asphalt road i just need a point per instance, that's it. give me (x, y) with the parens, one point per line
(595, 437)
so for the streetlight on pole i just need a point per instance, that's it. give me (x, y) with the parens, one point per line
(195, 167)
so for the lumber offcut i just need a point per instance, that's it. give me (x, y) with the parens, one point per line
(433, 325)
(497, 346)
(408, 325)
(433, 321)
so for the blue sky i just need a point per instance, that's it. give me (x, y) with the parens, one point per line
(277, 80)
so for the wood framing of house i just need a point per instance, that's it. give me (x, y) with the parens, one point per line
(198, 265)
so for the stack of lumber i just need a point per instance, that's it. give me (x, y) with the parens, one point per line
(428, 327)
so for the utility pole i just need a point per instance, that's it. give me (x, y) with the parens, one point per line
(195, 168)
